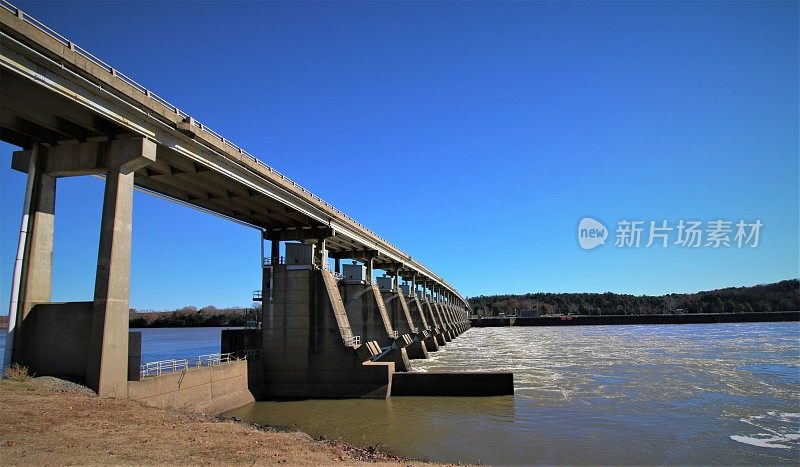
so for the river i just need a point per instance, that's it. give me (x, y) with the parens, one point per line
(168, 343)
(661, 394)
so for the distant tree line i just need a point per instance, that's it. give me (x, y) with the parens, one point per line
(780, 296)
(191, 316)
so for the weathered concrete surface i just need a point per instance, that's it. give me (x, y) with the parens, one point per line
(398, 357)
(402, 322)
(234, 340)
(426, 334)
(37, 269)
(436, 327)
(304, 351)
(366, 313)
(211, 390)
(369, 318)
(107, 371)
(417, 350)
(399, 313)
(453, 384)
(417, 315)
(134, 355)
(444, 328)
(55, 338)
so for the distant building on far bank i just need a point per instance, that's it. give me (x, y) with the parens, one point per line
(529, 313)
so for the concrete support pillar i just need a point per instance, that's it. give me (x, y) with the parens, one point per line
(35, 266)
(267, 289)
(337, 265)
(107, 369)
(370, 270)
(275, 249)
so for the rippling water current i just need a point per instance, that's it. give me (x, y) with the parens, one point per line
(706, 393)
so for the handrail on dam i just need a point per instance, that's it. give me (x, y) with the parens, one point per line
(182, 364)
(164, 366)
(273, 260)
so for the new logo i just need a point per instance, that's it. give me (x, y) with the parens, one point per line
(591, 233)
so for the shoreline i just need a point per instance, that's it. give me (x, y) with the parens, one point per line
(599, 320)
(47, 422)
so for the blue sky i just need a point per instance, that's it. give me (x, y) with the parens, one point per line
(474, 136)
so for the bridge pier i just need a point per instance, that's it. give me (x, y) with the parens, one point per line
(400, 318)
(308, 350)
(35, 264)
(437, 325)
(427, 335)
(102, 362)
(369, 318)
(446, 332)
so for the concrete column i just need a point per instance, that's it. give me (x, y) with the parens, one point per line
(369, 265)
(35, 281)
(275, 249)
(337, 265)
(107, 369)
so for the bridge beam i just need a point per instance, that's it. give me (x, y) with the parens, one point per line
(91, 157)
(284, 235)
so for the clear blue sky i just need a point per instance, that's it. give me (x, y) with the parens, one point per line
(472, 135)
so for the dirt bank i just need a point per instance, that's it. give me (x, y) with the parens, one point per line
(47, 423)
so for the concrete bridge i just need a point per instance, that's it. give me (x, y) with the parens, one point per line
(331, 327)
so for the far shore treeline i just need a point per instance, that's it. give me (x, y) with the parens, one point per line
(780, 296)
(191, 316)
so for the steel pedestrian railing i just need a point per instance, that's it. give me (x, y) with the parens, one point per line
(353, 341)
(164, 366)
(182, 364)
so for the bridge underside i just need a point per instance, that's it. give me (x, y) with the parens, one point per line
(73, 117)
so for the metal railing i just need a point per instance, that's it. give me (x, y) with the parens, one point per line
(353, 341)
(249, 354)
(182, 364)
(334, 273)
(272, 260)
(257, 295)
(216, 359)
(8, 6)
(164, 366)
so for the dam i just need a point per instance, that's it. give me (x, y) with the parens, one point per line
(329, 329)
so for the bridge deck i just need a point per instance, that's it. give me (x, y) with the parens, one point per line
(54, 92)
